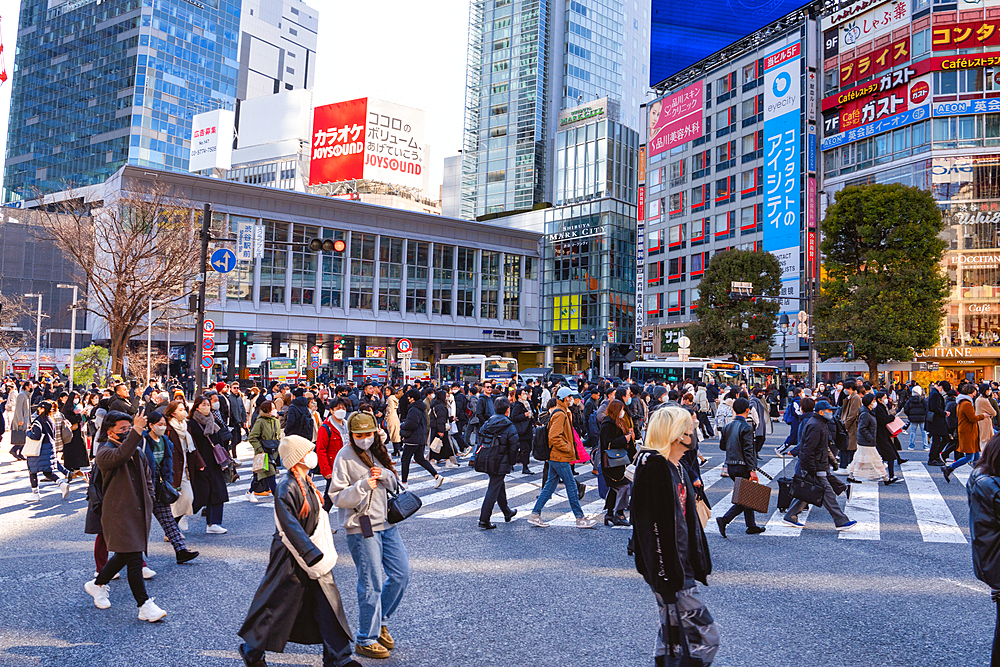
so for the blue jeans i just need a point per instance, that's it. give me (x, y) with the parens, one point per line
(383, 573)
(560, 471)
(967, 458)
(917, 433)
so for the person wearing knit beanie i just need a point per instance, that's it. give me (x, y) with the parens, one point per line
(292, 449)
(219, 386)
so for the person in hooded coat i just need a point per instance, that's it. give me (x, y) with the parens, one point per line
(208, 484)
(289, 605)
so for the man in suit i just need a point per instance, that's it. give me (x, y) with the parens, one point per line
(741, 461)
(850, 413)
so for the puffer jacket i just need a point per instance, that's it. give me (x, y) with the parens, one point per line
(500, 434)
(984, 524)
(414, 429)
(298, 420)
(916, 409)
(867, 428)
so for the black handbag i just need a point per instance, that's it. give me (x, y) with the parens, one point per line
(18, 436)
(807, 490)
(617, 458)
(269, 446)
(401, 506)
(166, 494)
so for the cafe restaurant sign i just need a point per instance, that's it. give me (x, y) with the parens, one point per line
(959, 352)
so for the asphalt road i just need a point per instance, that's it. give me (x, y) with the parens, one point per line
(520, 595)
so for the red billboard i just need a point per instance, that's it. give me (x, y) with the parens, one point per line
(676, 119)
(338, 141)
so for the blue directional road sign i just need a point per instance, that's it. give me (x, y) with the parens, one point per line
(223, 260)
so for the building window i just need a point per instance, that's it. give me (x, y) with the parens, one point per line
(390, 273)
(676, 302)
(654, 273)
(274, 263)
(416, 276)
(750, 72)
(654, 304)
(332, 287)
(699, 228)
(676, 269)
(303, 266)
(466, 282)
(655, 244)
(511, 287)
(444, 257)
(489, 290)
(362, 270)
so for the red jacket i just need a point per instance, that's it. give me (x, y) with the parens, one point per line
(328, 444)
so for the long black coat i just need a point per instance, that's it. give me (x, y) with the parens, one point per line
(284, 608)
(612, 437)
(936, 424)
(883, 439)
(209, 484)
(413, 430)
(522, 422)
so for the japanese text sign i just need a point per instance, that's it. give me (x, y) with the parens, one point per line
(212, 140)
(676, 119)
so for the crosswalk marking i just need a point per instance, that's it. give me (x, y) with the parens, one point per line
(476, 503)
(863, 508)
(776, 526)
(447, 493)
(934, 517)
(772, 468)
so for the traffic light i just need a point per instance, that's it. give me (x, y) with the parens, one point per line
(849, 356)
(327, 245)
(244, 338)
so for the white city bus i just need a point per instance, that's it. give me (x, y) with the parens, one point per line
(475, 368)
(672, 369)
(368, 368)
(418, 372)
(761, 375)
(282, 369)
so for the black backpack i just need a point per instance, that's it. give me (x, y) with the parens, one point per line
(540, 448)
(486, 442)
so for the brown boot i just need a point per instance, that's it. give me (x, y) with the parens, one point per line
(385, 639)
(375, 650)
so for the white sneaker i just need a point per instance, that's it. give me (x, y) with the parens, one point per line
(586, 522)
(99, 593)
(251, 497)
(182, 525)
(148, 573)
(439, 482)
(64, 489)
(215, 530)
(536, 520)
(150, 612)
(36, 496)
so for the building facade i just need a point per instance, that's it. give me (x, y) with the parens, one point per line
(528, 61)
(101, 84)
(918, 103)
(731, 163)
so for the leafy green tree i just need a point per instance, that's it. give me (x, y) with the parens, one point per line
(884, 288)
(89, 361)
(736, 327)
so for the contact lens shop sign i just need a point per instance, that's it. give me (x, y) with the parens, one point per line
(782, 157)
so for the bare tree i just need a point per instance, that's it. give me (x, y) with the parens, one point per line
(137, 362)
(143, 244)
(14, 312)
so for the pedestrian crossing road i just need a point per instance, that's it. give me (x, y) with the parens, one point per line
(919, 507)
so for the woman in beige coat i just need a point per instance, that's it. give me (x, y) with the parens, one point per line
(392, 419)
(984, 407)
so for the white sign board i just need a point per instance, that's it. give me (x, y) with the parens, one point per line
(258, 241)
(394, 144)
(212, 140)
(244, 241)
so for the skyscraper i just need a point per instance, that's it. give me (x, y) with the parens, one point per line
(527, 61)
(102, 83)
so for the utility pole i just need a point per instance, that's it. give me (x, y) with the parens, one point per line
(206, 227)
(149, 342)
(72, 334)
(38, 337)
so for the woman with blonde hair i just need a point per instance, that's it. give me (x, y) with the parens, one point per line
(671, 552)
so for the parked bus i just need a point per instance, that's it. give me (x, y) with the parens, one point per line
(475, 368)
(761, 375)
(418, 372)
(364, 368)
(281, 369)
(672, 369)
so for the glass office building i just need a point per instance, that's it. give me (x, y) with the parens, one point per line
(100, 84)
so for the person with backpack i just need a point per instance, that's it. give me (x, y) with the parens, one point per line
(916, 411)
(495, 456)
(561, 454)
(414, 433)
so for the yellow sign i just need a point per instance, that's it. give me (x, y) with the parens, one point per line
(375, 352)
(566, 312)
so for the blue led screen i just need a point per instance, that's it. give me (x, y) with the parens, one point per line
(685, 31)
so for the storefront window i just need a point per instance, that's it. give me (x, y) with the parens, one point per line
(303, 266)
(416, 276)
(362, 270)
(239, 281)
(332, 287)
(444, 257)
(489, 294)
(390, 277)
(466, 282)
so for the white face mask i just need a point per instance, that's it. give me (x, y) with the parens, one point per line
(204, 409)
(365, 443)
(215, 405)
(310, 460)
(159, 429)
(340, 414)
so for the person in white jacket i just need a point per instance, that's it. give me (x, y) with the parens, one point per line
(362, 477)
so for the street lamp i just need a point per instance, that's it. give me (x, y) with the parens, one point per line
(38, 335)
(72, 334)
(785, 326)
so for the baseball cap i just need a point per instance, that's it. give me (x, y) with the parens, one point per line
(563, 393)
(361, 422)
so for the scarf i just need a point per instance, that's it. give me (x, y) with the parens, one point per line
(207, 422)
(187, 444)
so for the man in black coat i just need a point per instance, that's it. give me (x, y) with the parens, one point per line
(937, 424)
(120, 401)
(461, 407)
(741, 461)
(497, 441)
(712, 394)
(814, 464)
(298, 420)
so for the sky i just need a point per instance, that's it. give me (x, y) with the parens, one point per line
(394, 50)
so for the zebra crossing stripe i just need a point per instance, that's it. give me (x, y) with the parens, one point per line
(772, 468)
(569, 519)
(429, 483)
(776, 526)
(453, 492)
(934, 517)
(476, 503)
(863, 508)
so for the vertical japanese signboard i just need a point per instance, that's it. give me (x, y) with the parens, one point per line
(640, 257)
(782, 159)
(245, 241)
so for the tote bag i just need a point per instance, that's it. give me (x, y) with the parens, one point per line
(322, 537)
